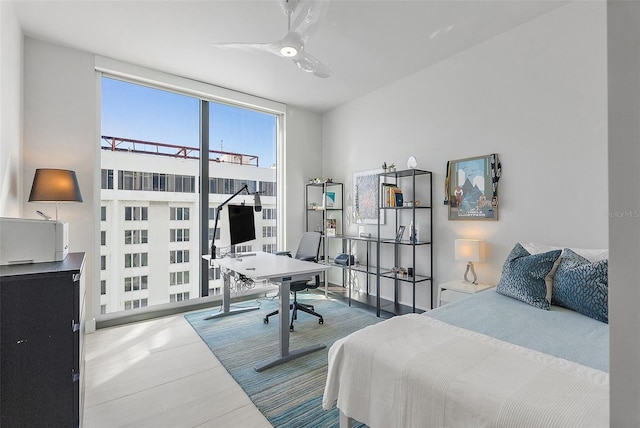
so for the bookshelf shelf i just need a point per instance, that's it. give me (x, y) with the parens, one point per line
(382, 254)
(324, 203)
(409, 183)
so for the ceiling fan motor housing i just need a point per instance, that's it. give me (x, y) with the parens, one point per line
(289, 6)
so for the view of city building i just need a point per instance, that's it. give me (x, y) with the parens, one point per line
(150, 190)
(150, 219)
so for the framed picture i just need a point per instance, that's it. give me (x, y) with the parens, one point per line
(331, 227)
(331, 199)
(472, 188)
(400, 233)
(366, 186)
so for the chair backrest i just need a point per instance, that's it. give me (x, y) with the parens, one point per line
(309, 246)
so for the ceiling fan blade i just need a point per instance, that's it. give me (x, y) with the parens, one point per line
(241, 46)
(266, 47)
(310, 64)
(307, 17)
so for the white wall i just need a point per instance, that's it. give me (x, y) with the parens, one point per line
(60, 132)
(61, 126)
(303, 160)
(11, 53)
(623, 22)
(536, 95)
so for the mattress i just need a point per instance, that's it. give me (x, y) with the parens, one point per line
(560, 332)
(484, 361)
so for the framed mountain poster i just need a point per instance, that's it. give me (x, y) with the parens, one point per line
(471, 187)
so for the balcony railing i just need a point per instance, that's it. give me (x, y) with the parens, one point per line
(118, 144)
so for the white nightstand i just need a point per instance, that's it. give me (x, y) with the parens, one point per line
(454, 290)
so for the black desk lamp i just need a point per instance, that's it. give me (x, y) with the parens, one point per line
(257, 207)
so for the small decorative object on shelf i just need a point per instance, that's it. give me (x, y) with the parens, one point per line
(412, 162)
(388, 168)
(319, 180)
(413, 232)
(331, 227)
(400, 271)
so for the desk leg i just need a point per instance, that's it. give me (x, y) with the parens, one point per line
(226, 301)
(283, 325)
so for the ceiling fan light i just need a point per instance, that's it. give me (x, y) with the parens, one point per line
(289, 51)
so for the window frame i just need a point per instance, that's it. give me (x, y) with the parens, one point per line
(107, 67)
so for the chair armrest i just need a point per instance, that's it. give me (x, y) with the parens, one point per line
(283, 253)
(309, 259)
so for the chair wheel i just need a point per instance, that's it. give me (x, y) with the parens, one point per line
(291, 328)
(320, 321)
(266, 320)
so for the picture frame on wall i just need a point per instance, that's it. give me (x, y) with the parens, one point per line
(366, 186)
(472, 188)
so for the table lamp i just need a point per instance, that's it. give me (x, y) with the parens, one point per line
(469, 250)
(55, 185)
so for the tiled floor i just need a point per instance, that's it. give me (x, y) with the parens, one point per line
(159, 373)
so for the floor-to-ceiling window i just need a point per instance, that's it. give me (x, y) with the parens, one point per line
(244, 140)
(150, 189)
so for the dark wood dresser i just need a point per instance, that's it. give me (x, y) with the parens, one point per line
(41, 346)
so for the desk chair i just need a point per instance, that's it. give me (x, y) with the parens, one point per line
(308, 249)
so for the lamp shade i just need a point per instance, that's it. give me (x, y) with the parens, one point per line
(469, 250)
(55, 185)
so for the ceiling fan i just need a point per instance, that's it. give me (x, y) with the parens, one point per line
(304, 25)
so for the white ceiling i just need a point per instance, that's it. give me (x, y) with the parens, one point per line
(367, 43)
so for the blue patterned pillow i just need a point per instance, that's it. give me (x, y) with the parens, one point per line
(582, 286)
(523, 276)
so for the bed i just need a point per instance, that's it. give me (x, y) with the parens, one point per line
(498, 358)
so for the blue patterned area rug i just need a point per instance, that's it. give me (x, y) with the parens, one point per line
(289, 395)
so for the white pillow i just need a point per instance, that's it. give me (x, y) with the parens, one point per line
(593, 255)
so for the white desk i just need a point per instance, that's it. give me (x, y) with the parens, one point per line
(282, 271)
(226, 296)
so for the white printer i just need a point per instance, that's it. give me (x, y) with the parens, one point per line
(32, 241)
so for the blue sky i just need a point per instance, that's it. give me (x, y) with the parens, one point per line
(142, 113)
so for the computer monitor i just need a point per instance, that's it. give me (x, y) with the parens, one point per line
(242, 226)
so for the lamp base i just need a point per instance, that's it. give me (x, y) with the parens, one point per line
(466, 273)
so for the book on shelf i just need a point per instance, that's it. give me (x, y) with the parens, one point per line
(331, 226)
(392, 195)
(398, 199)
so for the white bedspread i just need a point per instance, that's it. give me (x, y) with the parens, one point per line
(415, 371)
